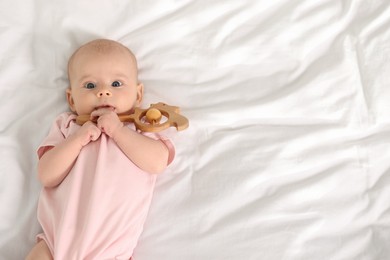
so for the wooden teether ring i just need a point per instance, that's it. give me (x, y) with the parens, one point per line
(148, 120)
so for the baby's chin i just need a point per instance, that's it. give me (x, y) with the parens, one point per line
(81, 113)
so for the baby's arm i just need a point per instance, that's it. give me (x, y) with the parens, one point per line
(148, 154)
(55, 164)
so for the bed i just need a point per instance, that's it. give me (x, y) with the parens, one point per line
(288, 151)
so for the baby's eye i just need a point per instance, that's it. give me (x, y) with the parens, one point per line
(116, 83)
(90, 85)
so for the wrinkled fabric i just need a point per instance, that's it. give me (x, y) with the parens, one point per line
(99, 209)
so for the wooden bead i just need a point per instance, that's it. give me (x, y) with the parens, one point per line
(153, 116)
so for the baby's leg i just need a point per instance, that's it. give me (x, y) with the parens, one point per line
(40, 252)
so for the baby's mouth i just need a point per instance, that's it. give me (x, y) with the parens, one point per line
(105, 107)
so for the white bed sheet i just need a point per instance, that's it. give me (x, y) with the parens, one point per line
(287, 154)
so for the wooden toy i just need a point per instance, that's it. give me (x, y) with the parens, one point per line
(148, 120)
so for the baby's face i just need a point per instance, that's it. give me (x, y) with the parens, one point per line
(103, 80)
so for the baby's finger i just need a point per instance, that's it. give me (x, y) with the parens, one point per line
(99, 112)
(95, 134)
(89, 125)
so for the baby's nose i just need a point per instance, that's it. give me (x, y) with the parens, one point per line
(104, 93)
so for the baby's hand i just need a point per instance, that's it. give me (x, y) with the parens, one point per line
(88, 132)
(108, 121)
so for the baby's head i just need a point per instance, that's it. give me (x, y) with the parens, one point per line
(103, 74)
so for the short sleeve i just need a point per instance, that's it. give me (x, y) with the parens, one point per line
(55, 136)
(168, 143)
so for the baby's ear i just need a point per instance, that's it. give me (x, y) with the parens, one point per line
(140, 93)
(70, 99)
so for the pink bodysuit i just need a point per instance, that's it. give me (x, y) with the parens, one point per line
(99, 209)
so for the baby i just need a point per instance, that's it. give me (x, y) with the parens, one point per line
(98, 178)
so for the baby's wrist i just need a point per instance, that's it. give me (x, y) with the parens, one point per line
(76, 141)
(118, 132)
